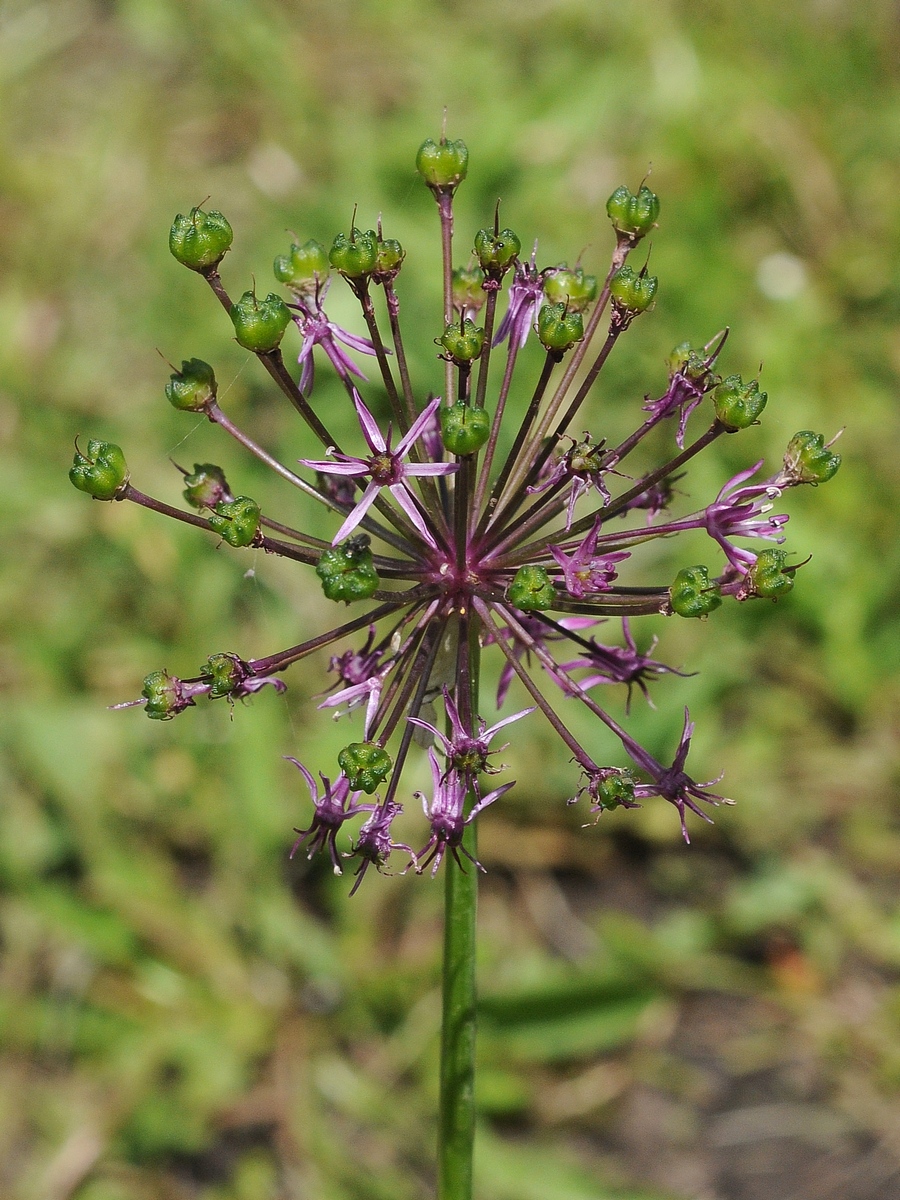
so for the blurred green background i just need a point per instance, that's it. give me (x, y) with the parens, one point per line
(184, 1013)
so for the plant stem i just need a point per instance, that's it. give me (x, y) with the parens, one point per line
(456, 1129)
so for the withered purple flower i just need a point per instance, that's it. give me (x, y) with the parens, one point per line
(317, 330)
(447, 816)
(620, 664)
(332, 808)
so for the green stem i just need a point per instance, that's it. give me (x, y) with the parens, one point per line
(456, 1135)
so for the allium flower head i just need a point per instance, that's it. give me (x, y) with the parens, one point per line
(497, 519)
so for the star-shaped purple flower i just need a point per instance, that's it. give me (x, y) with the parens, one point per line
(374, 844)
(385, 468)
(526, 295)
(586, 572)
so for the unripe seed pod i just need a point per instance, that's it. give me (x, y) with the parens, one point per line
(738, 404)
(165, 696)
(347, 571)
(496, 251)
(633, 291)
(612, 789)
(463, 344)
(571, 287)
(259, 325)
(531, 590)
(464, 429)
(688, 362)
(303, 269)
(102, 472)
(692, 594)
(236, 521)
(201, 239)
(225, 673)
(559, 328)
(443, 165)
(355, 254)
(808, 459)
(389, 260)
(468, 292)
(207, 486)
(365, 764)
(193, 388)
(633, 216)
(767, 578)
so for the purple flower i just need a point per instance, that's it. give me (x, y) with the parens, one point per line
(673, 783)
(335, 806)
(374, 844)
(317, 330)
(621, 664)
(586, 464)
(526, 295)
(385, 467)
(741, 512)
(468, 755)
(586, 572)
(446, 816)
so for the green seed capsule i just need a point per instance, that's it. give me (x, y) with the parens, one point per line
(389, 260)
(443, 165)
(632, 291)
(692, 594)
(738, 404)
(463, 344)
(225, 673)
(102, 472)
(559, 328)
(201, 239)
(164, 695)
(531, 590)
(614, 789)
(572, 288)
(365, 765)
(347, 571)
(767, 577)
(207, 486)
(496, 251)
(259, 325)
(468, 292)
(808, 459)
(355, 254)
(236, 521)
(633, 216)
(303, 269)
(192, 388)
(464, 429)
(688, 362)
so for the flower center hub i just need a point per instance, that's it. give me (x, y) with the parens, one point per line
(385, 469)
